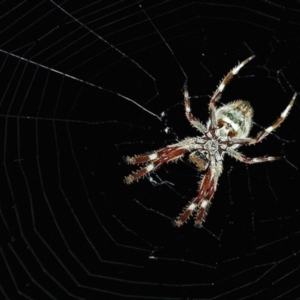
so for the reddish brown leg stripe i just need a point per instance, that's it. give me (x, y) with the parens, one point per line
(205, 187)
(135, 176)
(168, 154)
(182, 218)
(200, 217)
(206, 190)
(228, 78)
(162, 156)
(137, 160)
(205, 204)
(167, 151)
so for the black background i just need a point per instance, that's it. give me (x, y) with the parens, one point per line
(85, 83)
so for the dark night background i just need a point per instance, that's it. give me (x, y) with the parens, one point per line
(85, 83)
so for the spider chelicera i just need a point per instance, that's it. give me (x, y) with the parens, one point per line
(226, 130)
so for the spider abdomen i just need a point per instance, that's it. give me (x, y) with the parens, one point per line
(235, 119)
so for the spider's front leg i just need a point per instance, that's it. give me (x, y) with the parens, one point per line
(155, 159)
(262, 134)
(218, 92)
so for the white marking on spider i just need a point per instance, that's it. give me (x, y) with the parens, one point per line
(218, 156)
(199, 140)
(149, 167)
(231, 123)
(209, 135)
(192, 206)
(204, 203)
(153, 156)
(221, 87)
(287, 110)
(237, 69)
(186, 94)
(269, 129)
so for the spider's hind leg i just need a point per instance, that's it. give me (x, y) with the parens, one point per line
(201, 203)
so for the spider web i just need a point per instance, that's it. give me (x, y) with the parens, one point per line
(84, 84)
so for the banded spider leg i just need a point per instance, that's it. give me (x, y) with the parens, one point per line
(264, 133)
(154, 160)
(201, 203)
(218, 92)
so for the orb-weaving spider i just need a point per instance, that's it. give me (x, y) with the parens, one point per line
(226, 130)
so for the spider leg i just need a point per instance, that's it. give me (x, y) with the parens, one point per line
(207, 188)
(154, 160)
(188, 113)
(250, 160)
(262, 134)
(203, 209)
(218, 92)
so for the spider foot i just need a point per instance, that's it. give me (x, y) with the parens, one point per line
(140, 159)
(129, 160)
(201, 214)
(138, 174)
(129, 179)
(177, 223)
(198, 224)
(185, 215)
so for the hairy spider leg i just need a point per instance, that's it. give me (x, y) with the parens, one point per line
(218, 92)
(205, 203)
(262, 134)
(250, 160)
(164, 155)
(201, 203)
(188, 112)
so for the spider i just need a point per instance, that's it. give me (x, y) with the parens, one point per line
(226, 130)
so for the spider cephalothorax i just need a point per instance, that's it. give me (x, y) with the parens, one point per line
(227, 129)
